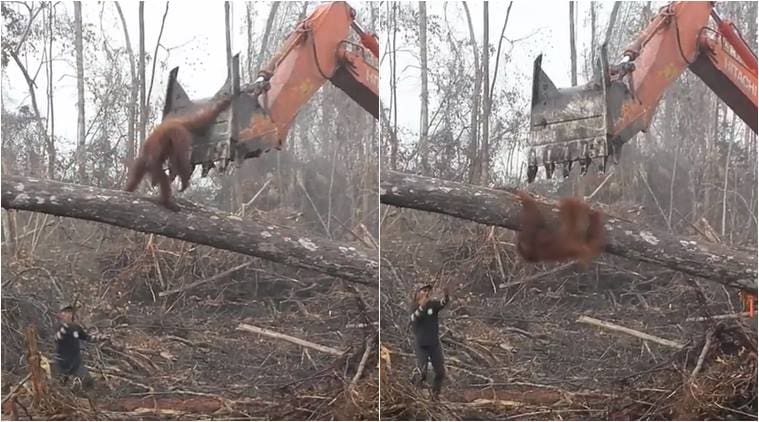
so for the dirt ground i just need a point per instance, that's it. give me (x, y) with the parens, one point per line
(514, 348)
(181, 355)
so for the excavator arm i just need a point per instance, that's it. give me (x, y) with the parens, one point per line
(593, 121)
(317, 51)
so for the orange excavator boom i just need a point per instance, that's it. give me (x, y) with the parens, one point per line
(318, 50)
(581, 124)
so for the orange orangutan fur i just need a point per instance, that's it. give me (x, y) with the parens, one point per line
(579, 235)
(172, 141)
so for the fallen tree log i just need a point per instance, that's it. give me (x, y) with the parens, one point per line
(501, 208)
(192, 223)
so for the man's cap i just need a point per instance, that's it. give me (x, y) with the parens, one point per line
(423, 286)
(66, 310)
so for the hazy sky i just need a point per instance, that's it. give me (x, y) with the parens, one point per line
(533, 28)
(537, 27)
(194, 34)
(195, 37)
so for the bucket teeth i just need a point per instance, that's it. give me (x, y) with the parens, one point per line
(532, 171)
(585, 165)
(567, 168)
(550, 167)
(566, 124)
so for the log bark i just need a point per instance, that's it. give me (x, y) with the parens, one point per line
(192, 223)
(501, 208)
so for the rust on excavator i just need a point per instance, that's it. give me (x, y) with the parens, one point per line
(318, 50)
(590, 123)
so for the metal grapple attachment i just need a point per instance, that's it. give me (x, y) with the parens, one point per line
(568, 125)
(222, 143)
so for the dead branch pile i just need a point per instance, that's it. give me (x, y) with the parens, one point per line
(171, 311)
(722, 385)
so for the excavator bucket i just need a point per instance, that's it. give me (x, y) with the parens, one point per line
(567, 124)
(212, 148)
(220, 145)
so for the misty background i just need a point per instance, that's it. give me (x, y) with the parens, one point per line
(695, 141)
(172, 310)
(510, 334)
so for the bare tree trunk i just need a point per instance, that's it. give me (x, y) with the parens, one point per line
(143, 105)
(228, 35)
(10, 237)
(371, 156)
(592, 39)
(672, 186)
(713, 262)
(335, 144)
(424, 122)
(194, 223)
(724, 189)
(572, 47)
(249, 27)
(132, 106)
(227, 183)
(389, 132)
(591, 68)
(474, 168)
(699, 207)
(485, 151)
(612, 21)
(35, 108)
(78, 45)
(669, 139)
(34, 159)
(267, 33)
(51, 105)
(155, 53)
(498, 51)
(394, 89)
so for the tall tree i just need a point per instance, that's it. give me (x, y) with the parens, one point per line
(474, 167)
(368, 198)
(572, 47)
(424, 121)
(592, 40)
(79, 90)
(155, 53)
(51, 88)
(249, 15)
(498, 50)
(485, 150)
(394, 88)
(133, 88)
(229, 185)
(267, 33)
(612, 21)
(35, 156)
(143, 105)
